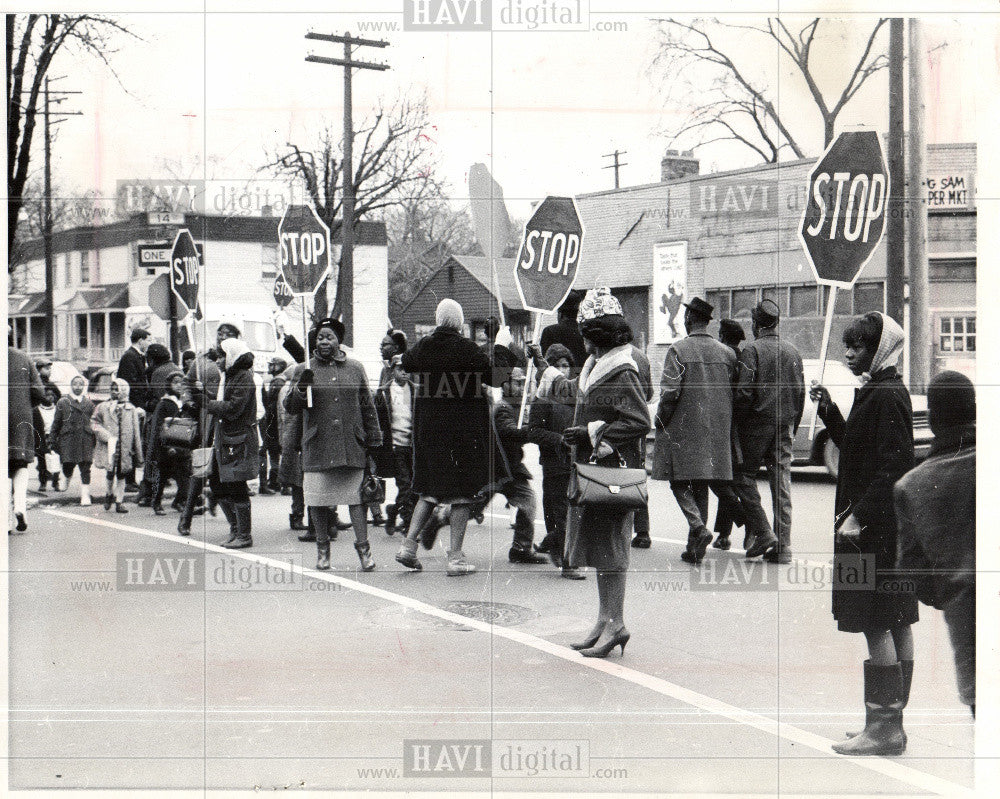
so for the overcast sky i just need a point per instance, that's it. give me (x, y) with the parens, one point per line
(211, 94)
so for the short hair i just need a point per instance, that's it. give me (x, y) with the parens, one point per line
(157, 354)
(139, 334)
(865, 331)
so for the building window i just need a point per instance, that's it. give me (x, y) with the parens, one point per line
(957, 334)
(802, 301)
(959, 270)
(744, 301)
(720, 301)
(869, 297)
(269, 262)
(778, 295)
(84, 266)
(843, 307)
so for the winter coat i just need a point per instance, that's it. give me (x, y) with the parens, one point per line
(132, 369)
(168, 406)
(270, 437)
(385, 462)
(158, 383)
(236, 446)
(117, 419)
(24, 391)
(548, 419)
(72, 433)
(290, 434)
(451, 414)
(205, 370)
(694, 420)
(342, 424)
(770, 387)
(512, 440)
(876, 449)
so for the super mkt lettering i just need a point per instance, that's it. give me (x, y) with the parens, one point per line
(567, 247)
(866, 199)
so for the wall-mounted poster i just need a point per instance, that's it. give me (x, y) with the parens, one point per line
(669, 287)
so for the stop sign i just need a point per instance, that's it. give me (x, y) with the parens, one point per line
(549, 258)
(304, 244)
(185, 274)
(282, 292)
(845, 211)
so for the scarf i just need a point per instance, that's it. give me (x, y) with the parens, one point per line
(596, 369)
(890, 347)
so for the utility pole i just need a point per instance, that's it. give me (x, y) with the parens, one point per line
(49, 305)
(895, 232)
(616, 165)
(920, 340)
(346, 278)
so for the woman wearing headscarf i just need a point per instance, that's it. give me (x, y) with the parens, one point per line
(451, 430)
(610, 414)
(235, 458)
(876, 449)
(339, 429)
(119, 442)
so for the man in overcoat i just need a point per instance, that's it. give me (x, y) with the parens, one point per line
(692, 448)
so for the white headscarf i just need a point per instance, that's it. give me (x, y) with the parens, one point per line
(449, 314)
(890, 347)
(234, 348)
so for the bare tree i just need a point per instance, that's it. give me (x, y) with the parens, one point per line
(33, 43)
(393, 163)
(735, 105)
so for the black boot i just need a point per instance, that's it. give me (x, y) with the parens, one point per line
(243, 539)
(697, 543)
(365, 556)
(390, 519)
(906, 667)
(295, 522)
(265, 490)
(883, 733)
(229, 511)
(323, 555)
(310, 533)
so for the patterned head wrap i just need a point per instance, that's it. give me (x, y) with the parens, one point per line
(598, 302)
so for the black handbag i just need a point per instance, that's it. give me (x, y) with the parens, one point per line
(179, 431)
(372, 490)
(613, 487)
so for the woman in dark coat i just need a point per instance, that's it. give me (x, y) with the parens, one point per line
(339, 429)
(24, 391)
(876, 449)
(611, 413)
(451, 430)
(235, 445)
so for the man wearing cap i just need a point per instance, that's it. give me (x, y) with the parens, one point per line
(693, 423)
(770, 396)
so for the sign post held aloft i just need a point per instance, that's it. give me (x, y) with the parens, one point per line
(547, 265)
(304, 246)
(844, 217)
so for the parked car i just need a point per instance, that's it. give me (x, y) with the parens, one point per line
(821, 451)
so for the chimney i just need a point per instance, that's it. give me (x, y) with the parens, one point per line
(677, 164)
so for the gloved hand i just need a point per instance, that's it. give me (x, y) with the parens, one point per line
(306, 379)
(503, 337)
(575, 436)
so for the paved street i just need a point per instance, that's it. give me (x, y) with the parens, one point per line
(733, 681)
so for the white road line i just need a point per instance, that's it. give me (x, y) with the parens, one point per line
(888, 768)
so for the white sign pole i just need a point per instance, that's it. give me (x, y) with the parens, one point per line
(305, 346)
(831, 302)
(536, 334)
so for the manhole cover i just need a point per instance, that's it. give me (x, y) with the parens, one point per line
(492, 612)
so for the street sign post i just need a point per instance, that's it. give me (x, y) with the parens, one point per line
(844, 217)
(304, 245)
(185, 282)
(547, 265)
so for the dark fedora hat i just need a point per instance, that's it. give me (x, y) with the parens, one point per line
(766, 314)
(700, 307)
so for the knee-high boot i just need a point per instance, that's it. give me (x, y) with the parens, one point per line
(229, 511)
(243, 538)
(883, 733)
(906, 668)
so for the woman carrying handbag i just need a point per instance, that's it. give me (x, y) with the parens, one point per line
(608, 433)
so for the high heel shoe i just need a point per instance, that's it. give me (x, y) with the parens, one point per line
(590, 641)
(620, 638)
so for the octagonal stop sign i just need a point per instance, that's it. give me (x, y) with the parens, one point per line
(304, 246)
(185, 273)
(549, 258)
(844, 217)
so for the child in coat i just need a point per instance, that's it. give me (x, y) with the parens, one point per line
(73, 436)
(172, 462)
(119, 442)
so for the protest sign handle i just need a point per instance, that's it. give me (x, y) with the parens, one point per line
(496, 291)
(536, 334)
(831, 303)
(305, 343)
